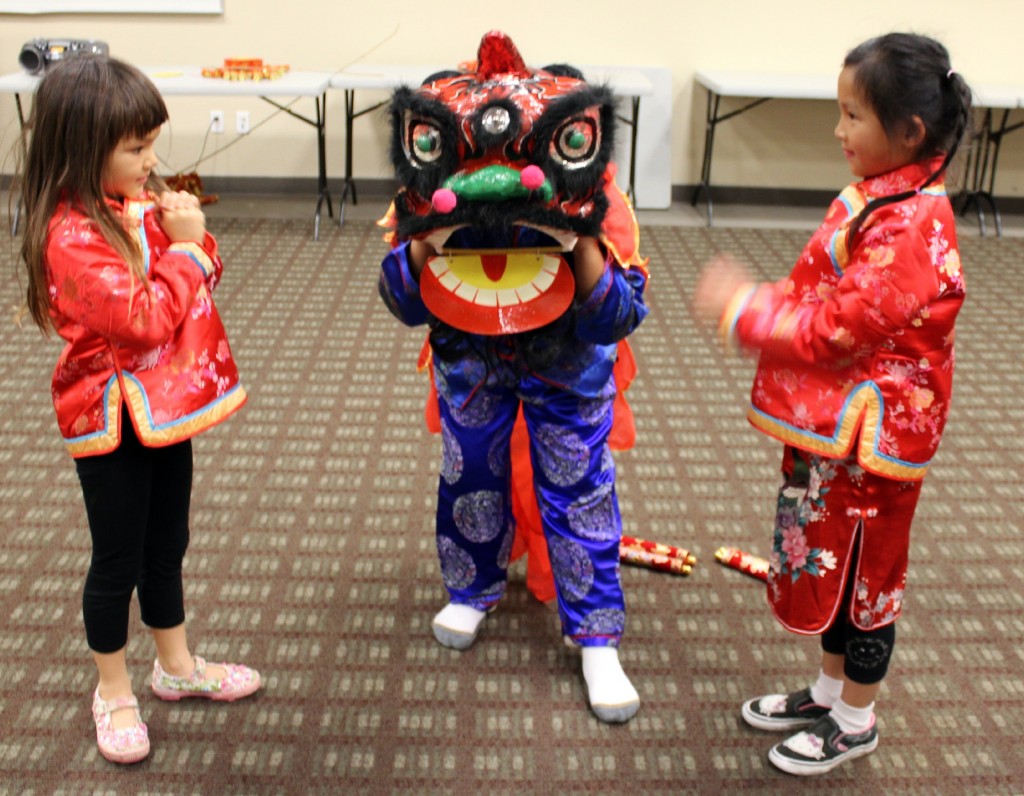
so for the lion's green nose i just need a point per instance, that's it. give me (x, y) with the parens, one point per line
(495, 184)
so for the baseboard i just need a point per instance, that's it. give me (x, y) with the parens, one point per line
(383, 188)
(376, 187)
(739, 195)
(281, 186)
(796, 197)
(370, 187)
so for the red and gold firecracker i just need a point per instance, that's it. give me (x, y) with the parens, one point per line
(658, 548)
(641, 558)
(748, 564)
(656, 556)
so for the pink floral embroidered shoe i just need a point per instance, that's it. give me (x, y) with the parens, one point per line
(128, 745)
(240, 681)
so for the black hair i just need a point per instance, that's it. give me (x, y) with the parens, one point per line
(903, 75)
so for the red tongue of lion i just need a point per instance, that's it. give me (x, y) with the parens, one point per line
(493, 265)
(498, 56)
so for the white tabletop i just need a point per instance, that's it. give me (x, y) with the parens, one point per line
(18, 83)
(383, 76)
(783, 85)
(998, 95)
(777, 85)
(188, 80)
(622, 80)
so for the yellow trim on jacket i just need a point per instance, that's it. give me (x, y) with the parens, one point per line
(863, 410)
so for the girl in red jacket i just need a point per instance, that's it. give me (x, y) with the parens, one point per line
(123, 270)
(855, 376)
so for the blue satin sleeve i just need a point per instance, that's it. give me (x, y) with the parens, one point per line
(614, 308)
(400, 290)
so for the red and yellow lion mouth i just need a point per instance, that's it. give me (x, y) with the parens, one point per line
(497, 291)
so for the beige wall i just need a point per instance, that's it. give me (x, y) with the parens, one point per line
(787, 144)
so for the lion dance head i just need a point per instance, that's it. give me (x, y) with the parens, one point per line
(522, 154)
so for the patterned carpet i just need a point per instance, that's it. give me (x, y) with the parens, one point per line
(313, 559)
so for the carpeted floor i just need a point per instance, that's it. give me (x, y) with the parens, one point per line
(313, 559)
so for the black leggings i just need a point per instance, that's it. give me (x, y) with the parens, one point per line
(137, 502)
(866, 653)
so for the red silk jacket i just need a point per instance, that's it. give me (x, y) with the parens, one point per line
(160, 348)
(857, 346)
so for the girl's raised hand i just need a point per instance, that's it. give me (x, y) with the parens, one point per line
(719, 281)
(181, 217)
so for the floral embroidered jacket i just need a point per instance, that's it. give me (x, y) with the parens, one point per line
(857, 345)
(160, 347)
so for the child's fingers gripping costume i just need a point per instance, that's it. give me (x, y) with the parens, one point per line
(503, 168)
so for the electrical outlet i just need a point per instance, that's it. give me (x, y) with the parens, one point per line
(216, 121)
(241, 122)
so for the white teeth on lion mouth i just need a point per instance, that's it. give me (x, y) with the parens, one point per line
(472, 287)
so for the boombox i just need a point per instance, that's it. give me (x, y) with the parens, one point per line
(39, 54)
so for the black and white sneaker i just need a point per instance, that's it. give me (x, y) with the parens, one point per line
(822, 747)
(782, 712)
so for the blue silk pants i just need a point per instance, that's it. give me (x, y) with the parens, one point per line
(574, 482)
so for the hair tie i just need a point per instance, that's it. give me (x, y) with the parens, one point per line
(950, 73)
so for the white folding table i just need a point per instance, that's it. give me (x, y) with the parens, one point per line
(188, 81)
(759, 87)
(979, 181)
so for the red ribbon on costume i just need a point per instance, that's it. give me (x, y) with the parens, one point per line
(748, 564)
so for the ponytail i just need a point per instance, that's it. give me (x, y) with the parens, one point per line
(904, 75)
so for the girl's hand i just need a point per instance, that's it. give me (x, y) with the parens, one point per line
(588, 265)
(180, 216)
(720, 280)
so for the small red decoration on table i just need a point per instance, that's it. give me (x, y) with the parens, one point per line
(245, 69)
(657, 556)
(192, 183)
(746, 563)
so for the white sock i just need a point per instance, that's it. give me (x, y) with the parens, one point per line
(460, 618)
(610, 692)
(826, 690)
(851, 719)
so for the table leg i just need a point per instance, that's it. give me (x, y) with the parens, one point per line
(323, 194)
(997, 142)
(319, 122)
(16, 213)
(711, 121)
(980, 179)
(713, 118)
(634, 125)
(348, 185)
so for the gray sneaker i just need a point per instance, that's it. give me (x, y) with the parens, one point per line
(782, 712)
(822, 747)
